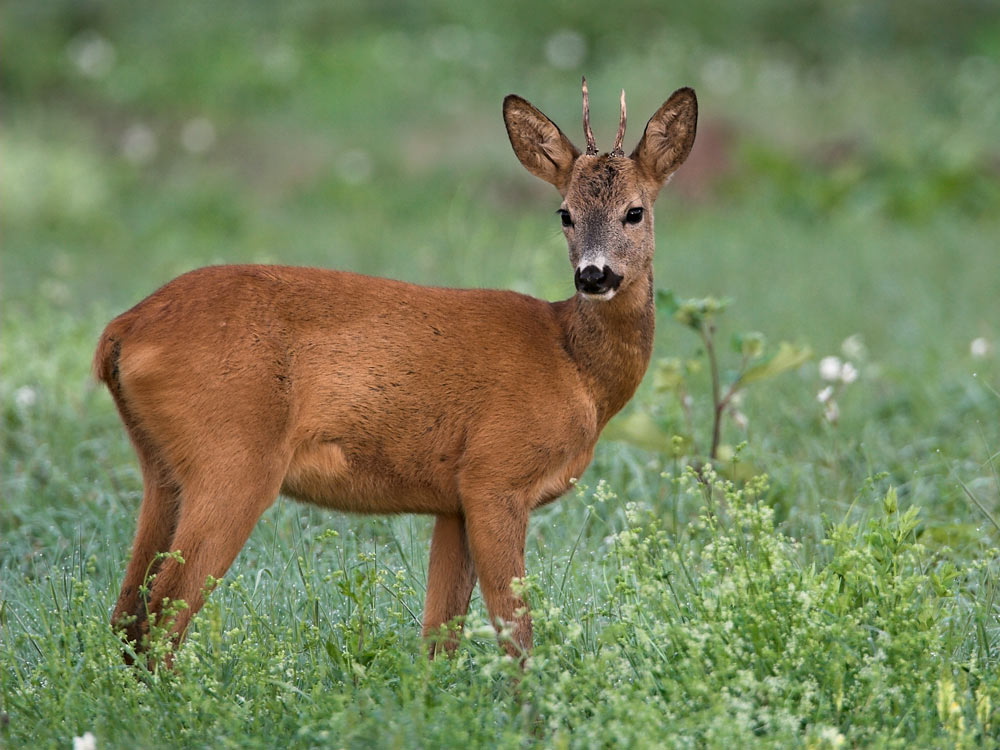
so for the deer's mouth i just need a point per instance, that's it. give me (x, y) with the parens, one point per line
(594, 281)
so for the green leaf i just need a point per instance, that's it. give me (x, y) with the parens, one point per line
(890, 503)
(788, 357)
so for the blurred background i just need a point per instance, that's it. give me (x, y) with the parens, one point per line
(847, 159)
(845, 184)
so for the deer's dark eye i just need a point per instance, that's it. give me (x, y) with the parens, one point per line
(564, 215)
(633, 215)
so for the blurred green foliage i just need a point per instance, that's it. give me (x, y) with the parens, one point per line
(368, 135)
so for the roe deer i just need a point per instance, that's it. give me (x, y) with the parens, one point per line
(237, 383)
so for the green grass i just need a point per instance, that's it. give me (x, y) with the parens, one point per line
(851, 601)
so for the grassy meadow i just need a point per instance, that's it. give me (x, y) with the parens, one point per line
(831, 583)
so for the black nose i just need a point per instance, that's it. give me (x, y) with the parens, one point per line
(594, 280)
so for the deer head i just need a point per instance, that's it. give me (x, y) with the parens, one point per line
(607, 208)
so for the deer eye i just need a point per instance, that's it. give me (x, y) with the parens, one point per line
(564, 215)
(633, 215)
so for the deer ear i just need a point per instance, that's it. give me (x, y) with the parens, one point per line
(539, 144)
(669, 136)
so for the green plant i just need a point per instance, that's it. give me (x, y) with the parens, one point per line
(670, 374)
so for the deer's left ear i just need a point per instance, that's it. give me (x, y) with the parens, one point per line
(668, 137)
(539, 144)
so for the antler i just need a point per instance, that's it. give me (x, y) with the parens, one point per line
(591, 143)
(617, 150)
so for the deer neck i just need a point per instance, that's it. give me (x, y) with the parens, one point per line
(611, 342)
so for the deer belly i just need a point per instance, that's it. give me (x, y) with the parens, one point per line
(322, 473)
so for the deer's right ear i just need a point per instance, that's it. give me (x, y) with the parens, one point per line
(538, 143)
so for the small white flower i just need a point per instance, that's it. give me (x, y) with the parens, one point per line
(25, 397)
(824, 395)
(831, 737)
(87, 742)
(832, 369)
(740, 418)
(979, 347)
(829, 368)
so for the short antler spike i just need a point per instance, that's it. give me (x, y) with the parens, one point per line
(617, 150)
(591, 143)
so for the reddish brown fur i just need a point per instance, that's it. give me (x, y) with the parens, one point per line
(367, 395)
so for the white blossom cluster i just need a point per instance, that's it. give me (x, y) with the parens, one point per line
(838, 373)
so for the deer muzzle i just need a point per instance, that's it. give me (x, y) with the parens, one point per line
(596, 280)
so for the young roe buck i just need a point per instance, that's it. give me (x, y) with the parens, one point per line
(368, 395)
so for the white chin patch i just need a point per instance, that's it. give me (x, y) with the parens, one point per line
(600, 297)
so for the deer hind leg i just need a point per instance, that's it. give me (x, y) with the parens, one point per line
(496, 528)
(451, 577)
(154, 530)
(219, 508)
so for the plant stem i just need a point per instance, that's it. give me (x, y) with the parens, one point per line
(707, 331)
(716, 430)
